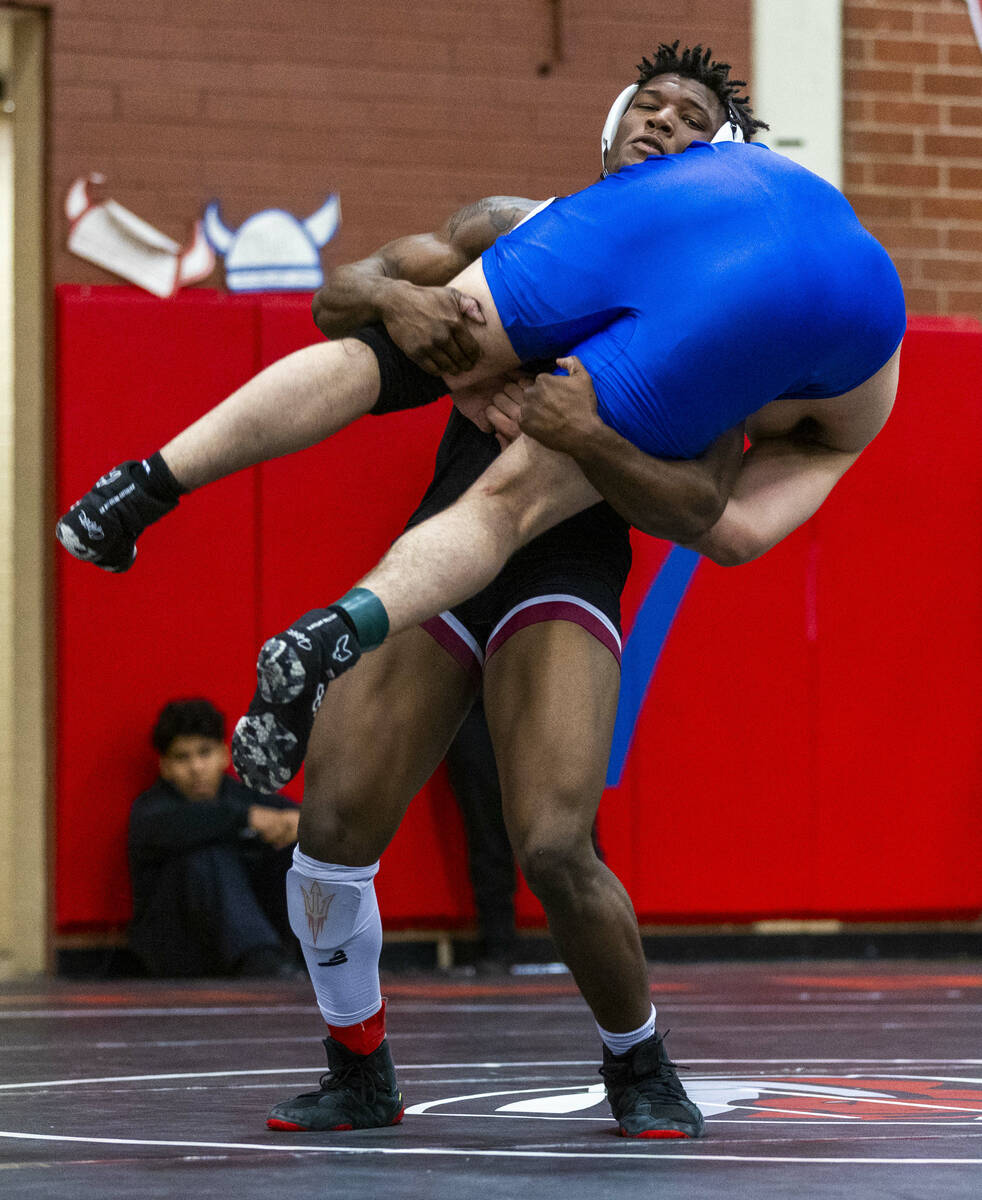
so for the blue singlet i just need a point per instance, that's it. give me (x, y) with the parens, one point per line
(698, 287)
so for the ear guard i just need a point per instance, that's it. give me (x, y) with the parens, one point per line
(617, 110)
(729, 131)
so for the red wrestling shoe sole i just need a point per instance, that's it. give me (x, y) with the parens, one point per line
(654, 1133)
(290, 1126)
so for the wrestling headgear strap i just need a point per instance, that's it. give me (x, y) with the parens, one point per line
(729, 131)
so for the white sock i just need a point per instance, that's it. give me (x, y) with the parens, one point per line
(620, 1043)
(334, 913)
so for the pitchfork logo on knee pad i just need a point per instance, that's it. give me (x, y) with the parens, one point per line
(316, 905)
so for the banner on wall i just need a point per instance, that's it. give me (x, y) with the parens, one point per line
(103, 232)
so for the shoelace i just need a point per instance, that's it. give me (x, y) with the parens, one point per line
(661, 1083)
(356, 1075)
(668, 1062)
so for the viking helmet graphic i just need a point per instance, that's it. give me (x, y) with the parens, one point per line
(272, 251)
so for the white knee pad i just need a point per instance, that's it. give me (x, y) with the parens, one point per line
(334, 914)
(328, 904)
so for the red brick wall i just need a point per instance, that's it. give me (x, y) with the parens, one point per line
(913, 144)
(409, 110)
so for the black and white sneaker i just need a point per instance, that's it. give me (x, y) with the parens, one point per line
(646, 1096)
(292, 674)
(103, 526)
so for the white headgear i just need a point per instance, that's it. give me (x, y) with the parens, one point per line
(729, 131)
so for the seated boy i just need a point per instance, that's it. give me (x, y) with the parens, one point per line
(208, 858)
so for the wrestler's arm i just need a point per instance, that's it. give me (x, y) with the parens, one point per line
(402, 285)
(782, 482)
(799, 450)
(676, 499)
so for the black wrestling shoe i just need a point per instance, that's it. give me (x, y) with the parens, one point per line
(646, 1096)
(359, 1092)
(103, 526)
(292, 673)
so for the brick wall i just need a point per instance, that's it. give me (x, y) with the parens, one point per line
(913, 144)
(409, 110)
(412, 110)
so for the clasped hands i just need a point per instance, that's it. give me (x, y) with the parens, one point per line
(432, 326)
(560, 411)
(276, 826)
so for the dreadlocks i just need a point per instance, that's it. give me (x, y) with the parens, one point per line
(696, 63)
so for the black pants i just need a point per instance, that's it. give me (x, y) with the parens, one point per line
(211, 907)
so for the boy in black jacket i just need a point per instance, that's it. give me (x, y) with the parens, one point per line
(208, 858)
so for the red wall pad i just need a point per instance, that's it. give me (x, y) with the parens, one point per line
(234, 563)
(809, 743)
(898, 723)
(132, 371)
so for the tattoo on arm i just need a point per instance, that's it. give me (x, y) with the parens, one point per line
(503, 219)
(465, 215)
(488, 218)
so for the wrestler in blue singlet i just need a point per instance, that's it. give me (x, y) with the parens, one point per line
(696, 288)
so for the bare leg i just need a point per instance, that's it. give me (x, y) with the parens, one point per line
(308, 396)
(380, 734)
(289, 406)
(551, 696)
(455, 554)
(441, 562)
(295, 403)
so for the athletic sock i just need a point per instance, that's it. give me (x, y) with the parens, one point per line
(334, 914)
(160, 480)
(621, 1043)
(364, 1037)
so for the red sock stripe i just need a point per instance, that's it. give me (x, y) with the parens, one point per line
(364, 1037)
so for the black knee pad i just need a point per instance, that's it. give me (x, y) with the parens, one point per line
(403, 384)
